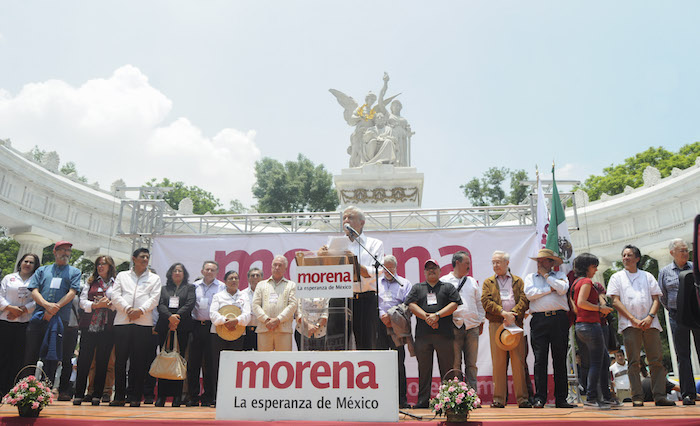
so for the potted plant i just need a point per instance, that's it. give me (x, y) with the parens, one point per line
(30, 396)
(456, 399)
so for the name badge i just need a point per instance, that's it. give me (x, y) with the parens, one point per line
(22, 292)
(174, 302)
(387, 296)
(272, 299)
(203, 303)
(56, 283)
(432, 299)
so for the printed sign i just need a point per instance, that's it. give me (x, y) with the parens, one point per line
(324, 281)
(332, 386)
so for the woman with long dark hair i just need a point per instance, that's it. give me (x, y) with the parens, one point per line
(96, 329)
(177, 299)
(17, 305)
(589, 302)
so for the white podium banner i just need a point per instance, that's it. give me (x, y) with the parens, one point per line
(324, 281)
(357, 386)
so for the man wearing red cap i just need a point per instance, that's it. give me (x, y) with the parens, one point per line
(433, 302)
(53, 288)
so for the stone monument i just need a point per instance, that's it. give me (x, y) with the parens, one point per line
(379, 175)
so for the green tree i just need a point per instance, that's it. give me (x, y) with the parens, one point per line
(296, 186)
(489, 191)
(616, 177)
(8, 255)
(203, 201)
(69, 168)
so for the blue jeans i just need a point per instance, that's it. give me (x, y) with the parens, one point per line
(592, 336)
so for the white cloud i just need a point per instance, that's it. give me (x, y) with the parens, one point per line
(116, 128)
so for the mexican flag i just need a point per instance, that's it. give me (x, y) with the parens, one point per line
(558, 238)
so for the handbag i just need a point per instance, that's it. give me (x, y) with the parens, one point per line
(611, 341)
(169, 365)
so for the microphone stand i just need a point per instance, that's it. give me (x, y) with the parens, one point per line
(377, 264)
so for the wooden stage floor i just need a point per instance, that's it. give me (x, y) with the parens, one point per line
(87, 414)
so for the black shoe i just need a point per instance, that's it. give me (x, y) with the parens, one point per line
(135, 404)
(148, 400)
(538, 404)
(497, 405)
(205, 404)
(77, 401)
(160, 401)
(64, 397)
(665, 402)
(106, 398)
(525, 404)
(404, 405)
(117, 403)
(177, 401)
(95, 401)
(192, 403)
(688, 401)
(565, 404)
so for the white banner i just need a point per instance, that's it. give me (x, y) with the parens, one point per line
(324, 281)
(332, 386)
(411, 249)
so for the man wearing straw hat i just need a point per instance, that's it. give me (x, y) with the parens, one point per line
(505, 303)
(546, 290)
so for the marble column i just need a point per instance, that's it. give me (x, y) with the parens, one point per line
(32, 240)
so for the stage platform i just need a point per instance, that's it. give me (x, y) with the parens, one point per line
(65, 414)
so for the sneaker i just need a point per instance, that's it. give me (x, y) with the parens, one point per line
(525, 404)
(596, 404)
(613, 402)
(688, 401)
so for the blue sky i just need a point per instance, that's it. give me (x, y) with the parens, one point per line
(198, 91)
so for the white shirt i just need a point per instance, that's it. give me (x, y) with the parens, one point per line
(622, 381)
(224, 298)
(311, 310)
(139, 292)
(635, 292)
(375, 247)
(248, 292)
(547, 294)
(205, 294)
(471, 311)
(86, 305)
(14, 291)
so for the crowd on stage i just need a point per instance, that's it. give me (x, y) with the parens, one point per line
(119, 322)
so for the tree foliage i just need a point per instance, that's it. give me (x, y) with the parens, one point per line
(616, 177)
(8, 255)
(296, 186)
(489, 190)
(203, 201)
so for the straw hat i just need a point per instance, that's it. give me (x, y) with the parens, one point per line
(230, 311)
(548, 254)
(507, 340)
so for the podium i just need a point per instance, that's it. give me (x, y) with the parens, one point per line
(336, 334)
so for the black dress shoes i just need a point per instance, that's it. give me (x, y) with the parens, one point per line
(160, 401)
(177, 401)
(565, 404)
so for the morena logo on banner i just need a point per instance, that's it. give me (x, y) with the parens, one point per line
(320, 375)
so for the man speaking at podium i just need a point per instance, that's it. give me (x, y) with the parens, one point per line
(365, 316)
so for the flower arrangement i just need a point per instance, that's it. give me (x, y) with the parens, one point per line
(29, 394)
(455, 397)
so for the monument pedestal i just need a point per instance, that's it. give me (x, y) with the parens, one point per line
(379, 187)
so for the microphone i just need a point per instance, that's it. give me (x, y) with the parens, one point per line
(353, 233)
